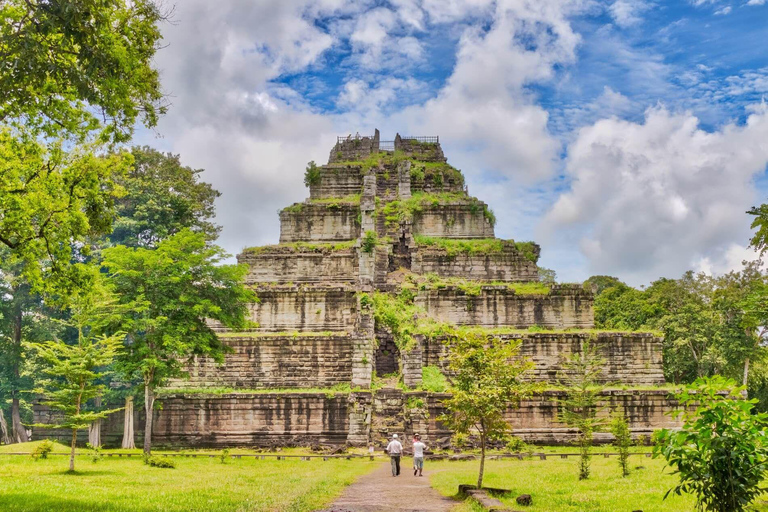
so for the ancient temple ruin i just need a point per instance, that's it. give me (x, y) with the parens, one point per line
(384, 219)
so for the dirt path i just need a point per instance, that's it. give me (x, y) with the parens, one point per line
(379, 491)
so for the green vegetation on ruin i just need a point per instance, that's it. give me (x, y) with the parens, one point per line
(332, 202)
(405, 210)
(433, 380)
(302, 247)
(283, 334)
(118, 484)
(454, 246)
(329, 392)
(469, 287)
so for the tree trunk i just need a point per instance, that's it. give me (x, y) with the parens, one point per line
(94, 429)
(149, 402)
(4, 439)
(482, 461)
(128, 442)
(72, 450)
(746, 371)
(19, 431)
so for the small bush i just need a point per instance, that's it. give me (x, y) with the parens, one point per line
(369, 241)
(224, 456)
(42, 450)
(95, 452)
(515, 444)
(159, 462)
(620, 430)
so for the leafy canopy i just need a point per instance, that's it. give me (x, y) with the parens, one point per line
(721, 452)
(171, 291)
(69, 68)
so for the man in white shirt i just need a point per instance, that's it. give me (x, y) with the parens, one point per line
(395, 450)
(418, 455)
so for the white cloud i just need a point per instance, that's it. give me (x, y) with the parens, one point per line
(724, 11)
(627, 12)
(728, 260)
(756, 2)
(656, 198)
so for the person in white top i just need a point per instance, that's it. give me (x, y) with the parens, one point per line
(418, 455)
(395, 450)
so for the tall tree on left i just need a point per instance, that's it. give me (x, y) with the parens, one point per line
(75, 77)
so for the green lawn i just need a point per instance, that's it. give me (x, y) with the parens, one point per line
(112, 484)
(554, 484)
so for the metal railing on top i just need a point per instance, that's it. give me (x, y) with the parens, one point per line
(348, 138)
(428, 139)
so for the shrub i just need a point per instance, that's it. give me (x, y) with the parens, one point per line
(95, 452)
(515, 444)
(433, 380)
(721, 452)
(42, 450)
(312, 174)
(224, 456)
(369, 241)
(159, 462)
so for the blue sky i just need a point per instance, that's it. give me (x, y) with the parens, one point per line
(627, 137)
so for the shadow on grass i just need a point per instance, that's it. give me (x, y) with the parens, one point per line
(39, 502)
(78, 472)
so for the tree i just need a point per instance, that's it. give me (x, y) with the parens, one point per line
(721, 453)
(162, 197)
(622, 441)
(488, 377)
(581, 406)
(76, 67)
(73, 370)
(172, 291)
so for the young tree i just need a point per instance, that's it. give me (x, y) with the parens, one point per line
(73, 370)
(622, 440)
(580, 408)
(488, 378)
(172, 291)
(721, 452)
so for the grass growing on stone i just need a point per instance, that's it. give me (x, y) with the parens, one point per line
(555, 487)
(301, 247)
(470, 287)
(454, 247)
(120, 484)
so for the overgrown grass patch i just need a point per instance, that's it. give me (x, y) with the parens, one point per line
(301, 247)
(121, 484)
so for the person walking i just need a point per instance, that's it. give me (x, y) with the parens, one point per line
(418, 455)
(395, 450)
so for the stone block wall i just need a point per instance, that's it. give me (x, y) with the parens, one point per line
(337, 180)
(425, 151)
(305, 308)
(453, 221)
(634, 359)
(317, 222)
(508, 265)
(354, 147)
(498, 306)
(535, 421)
(285, 265)
(276, 361)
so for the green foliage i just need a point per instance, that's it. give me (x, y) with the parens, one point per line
(348, 199)
(294, 208)
(405, 210)
(547, 276)
(622, 441)
(52, 200)
(527, 250)
(433, 380)
(721, 452)
(302, 247)
(94, 451)
(74, 68)
(580, 407)
(159, 462)
(42, 450)
(72, 371)
(516, 445)
(171, 292)
(162, 197)
(455, 246)
(474, 288)
(312, 175)
(366, 302)
(398, 315)
(224, 456)
(710, 324)
(369, 241)
(601, 283)
(488, 377)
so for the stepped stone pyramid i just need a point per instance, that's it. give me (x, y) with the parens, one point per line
(383, 217)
